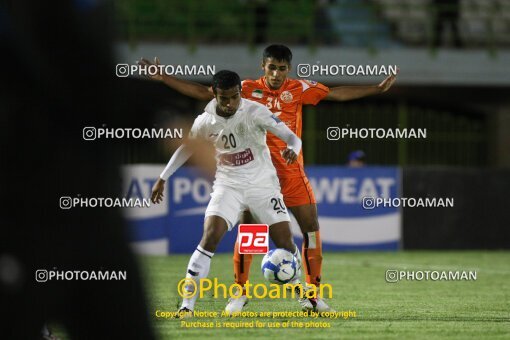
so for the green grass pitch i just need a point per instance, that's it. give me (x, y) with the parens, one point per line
(408, 309)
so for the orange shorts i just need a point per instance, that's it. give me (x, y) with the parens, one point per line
(297, 191)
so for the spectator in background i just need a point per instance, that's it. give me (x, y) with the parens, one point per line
(261, 14)
(323, 27)
(445, 12)
(356, 159)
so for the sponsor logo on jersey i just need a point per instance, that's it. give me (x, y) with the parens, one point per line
(257, 94)
(237, 159)
(286, 97)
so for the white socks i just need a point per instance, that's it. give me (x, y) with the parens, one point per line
(198, 268)
(297, 254)
(297, 278)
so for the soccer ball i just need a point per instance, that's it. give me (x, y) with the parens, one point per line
(280, 266)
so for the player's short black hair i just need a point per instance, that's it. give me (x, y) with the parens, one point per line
(225, 79)
(278, 52)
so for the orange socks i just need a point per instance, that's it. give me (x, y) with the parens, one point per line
(312, 257)
(242, 263)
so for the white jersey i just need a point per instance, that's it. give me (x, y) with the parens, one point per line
(242, 156)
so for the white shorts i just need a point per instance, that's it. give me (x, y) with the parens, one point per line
(265, 204)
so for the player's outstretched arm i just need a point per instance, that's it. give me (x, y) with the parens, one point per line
(180, 157)
(293, 142)
(157, 191)
(343, 93)
(186, 87)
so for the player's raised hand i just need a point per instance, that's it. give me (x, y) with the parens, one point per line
(157, 191)
(289, 155)
(386, 83)
(146, 62)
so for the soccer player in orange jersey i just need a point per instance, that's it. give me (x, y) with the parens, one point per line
(285, 97)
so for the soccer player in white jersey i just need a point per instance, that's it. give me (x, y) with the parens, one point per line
(245, 176)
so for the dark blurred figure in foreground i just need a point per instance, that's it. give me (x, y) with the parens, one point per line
(57, 78)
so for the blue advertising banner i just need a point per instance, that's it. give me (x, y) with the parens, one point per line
(176, 225)
(344, 223)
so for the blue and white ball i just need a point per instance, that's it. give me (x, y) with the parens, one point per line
(280, 266)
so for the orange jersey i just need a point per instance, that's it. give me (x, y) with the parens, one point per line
(286, 103)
